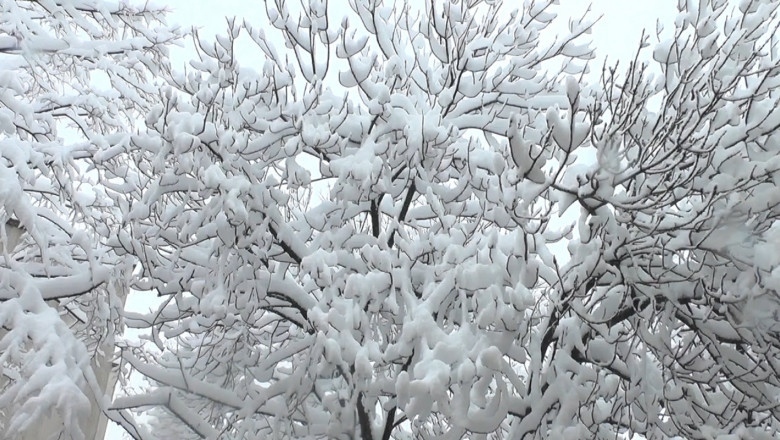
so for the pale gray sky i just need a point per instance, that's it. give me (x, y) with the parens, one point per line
(616, 35)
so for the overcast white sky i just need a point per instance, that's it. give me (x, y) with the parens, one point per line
(615, 36)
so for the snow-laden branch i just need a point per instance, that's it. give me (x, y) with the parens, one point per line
(167, 397)
(75, 77)
(428, 221)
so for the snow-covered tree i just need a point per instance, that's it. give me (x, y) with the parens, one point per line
(74, 75)
(422, 222)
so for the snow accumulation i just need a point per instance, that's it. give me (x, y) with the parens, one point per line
(397, 222)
